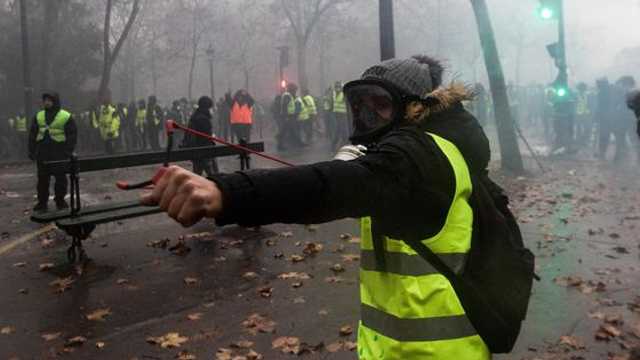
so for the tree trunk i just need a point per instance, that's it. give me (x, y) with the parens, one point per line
(50, 17)
(26, 64)
(301, 50)
(509, 151)
(192, 67)
(246, 79)
(154, 72)
(109, 56)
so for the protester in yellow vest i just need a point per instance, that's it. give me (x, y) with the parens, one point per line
(308, 115)
(52, 136)
(414, 186)
(339, 109)
(109, 124)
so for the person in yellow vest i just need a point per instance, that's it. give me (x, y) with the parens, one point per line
(416, 185)
(141, 121)
(109, 124)
(52, 136)
(339, 110)
(154, 120)
(20, 127)
(308, 115)
(290, 109)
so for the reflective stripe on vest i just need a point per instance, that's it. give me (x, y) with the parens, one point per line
(55, 129)
(21, 124)
(409, 310)
(241, 114)
(339, 105)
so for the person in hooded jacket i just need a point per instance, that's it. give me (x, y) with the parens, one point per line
(52, 136)
(201, 121)
(413, 181)
(633, 102)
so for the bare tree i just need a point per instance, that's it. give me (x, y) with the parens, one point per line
(50, 13)
(110, 55)
(26, 64)
(509, 151)
(303, 17)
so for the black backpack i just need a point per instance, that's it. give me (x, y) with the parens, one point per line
(495, 285)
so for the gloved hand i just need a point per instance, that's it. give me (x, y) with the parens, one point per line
(350, 152)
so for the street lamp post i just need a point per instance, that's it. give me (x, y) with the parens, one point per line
(387, 44)
(210, 56)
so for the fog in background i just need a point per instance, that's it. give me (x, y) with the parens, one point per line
(166, 47)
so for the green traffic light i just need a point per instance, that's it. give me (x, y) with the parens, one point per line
(561, 92)
(546, 13)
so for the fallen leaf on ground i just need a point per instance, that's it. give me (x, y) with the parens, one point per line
(299, 300)
(333, 279)
(100, 345)
(75, 341)
(312, 249)
(635, 330)
(250, 275)
(60, 285)
(252, 355)
(346, 330)
(194, 316)
(180, 249)
(257, 323)
(354, 240)
(185, 355)
(296, 285)
(296, 258)
(287, 344)
(224, 354)
(159, 244)
(99, 314)
(20, 264)
(122, 281)
(242, 344)
(334, 347)
(311, 228)
(337, 268)
(350, 257)
(7, 330)
(323, 312)
(350, 345)
(46, 266)
(286, 234)
(345, 236)
(265, 291)
(191, 280)
(568, 281)
(294, 275)
(50, 336)
(169, 340)
(572, 341)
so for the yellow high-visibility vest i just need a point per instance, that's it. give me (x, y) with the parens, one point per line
(55, 129)
(308, 108)
(339, 106)
(21, 124)
(408, 309)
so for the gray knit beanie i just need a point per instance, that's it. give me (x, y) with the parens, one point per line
(409, 76)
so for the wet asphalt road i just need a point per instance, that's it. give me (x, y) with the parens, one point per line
(580, 219)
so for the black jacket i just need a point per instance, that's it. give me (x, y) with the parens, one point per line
(200, 121)
(47, 149)
(406, 183)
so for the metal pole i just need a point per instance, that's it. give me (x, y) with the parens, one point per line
(387, 43)
(213, 93)
(564, 77)
(26, 65)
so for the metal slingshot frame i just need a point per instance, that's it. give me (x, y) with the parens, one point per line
(79, 222)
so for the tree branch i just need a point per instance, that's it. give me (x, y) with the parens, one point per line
(290, 17)
(127, 28)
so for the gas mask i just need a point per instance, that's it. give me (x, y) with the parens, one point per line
(372, 111)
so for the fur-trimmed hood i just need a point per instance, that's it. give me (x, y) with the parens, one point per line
(448, 118)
